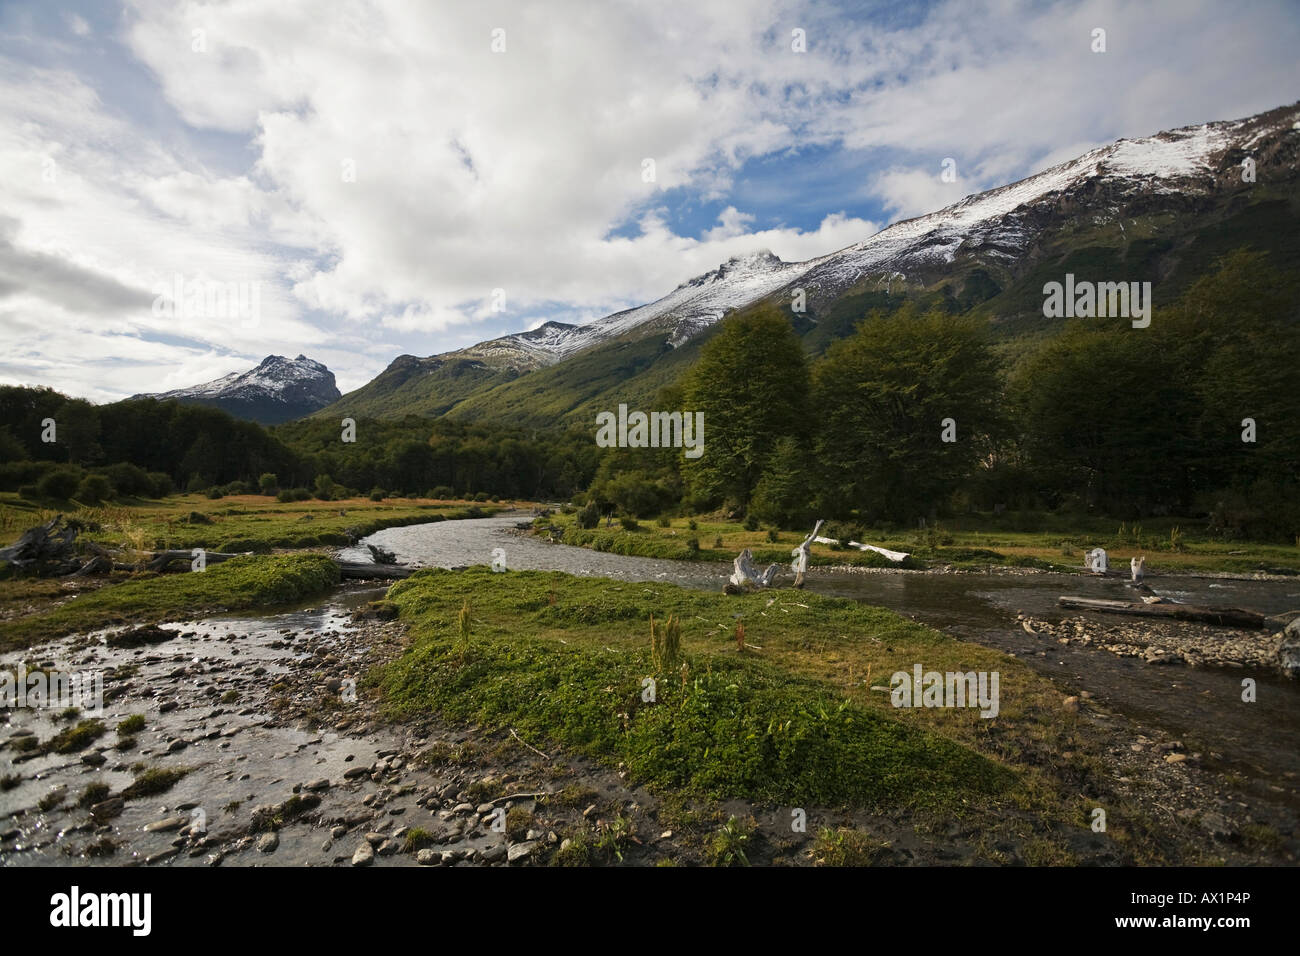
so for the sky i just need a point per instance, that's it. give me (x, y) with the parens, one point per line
(187, 187)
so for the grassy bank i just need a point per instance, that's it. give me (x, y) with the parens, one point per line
(234, 523)
(792, 719)
(239, 584)
(1028, 541)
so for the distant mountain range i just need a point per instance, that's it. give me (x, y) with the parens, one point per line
(277, 390)
(1157, 209)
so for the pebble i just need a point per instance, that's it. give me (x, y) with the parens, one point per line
(521, 851)
(170, 823)
(364, 856)
(268, 842)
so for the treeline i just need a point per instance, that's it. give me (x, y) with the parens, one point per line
(57, 448)
(919, 415)
(915, 415)
(415, 456)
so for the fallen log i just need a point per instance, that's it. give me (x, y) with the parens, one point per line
(1221, 616)
(895, 556)
(362, 569)
(162, 560)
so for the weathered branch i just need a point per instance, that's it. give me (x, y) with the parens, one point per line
(1222, 616)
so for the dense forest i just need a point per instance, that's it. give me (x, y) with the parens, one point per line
(917, 413)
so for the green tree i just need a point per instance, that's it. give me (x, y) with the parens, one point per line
(751, 382)
(784, 494)
(889, 396)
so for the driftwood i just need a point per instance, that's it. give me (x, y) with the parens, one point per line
(361, 569)
(162, 560)
(800, 554)
(46, 549)
(1222, 616)
(381, 556)
(895, 556)
(746, 574)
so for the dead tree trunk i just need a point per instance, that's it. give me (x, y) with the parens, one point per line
(1222, 616)
(745, 574)
(802, 553)
(45, 549)
(162, 560)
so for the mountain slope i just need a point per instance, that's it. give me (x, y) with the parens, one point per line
(277, 390)
(1156, 209)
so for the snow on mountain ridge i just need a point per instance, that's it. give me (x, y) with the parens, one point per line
(997, 221)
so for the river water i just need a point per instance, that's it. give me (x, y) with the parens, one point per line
(1202, 706)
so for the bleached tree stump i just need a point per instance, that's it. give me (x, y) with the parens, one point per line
(800, 554)
(746, 575)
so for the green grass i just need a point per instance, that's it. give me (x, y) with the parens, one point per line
(241, 583)
(77, 738)
(736, 725)
(151, 781)
(131, 725)
(1033, 540)
(235, 523)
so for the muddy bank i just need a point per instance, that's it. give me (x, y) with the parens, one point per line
(284, 766)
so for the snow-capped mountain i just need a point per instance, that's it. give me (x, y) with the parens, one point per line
(277, 390)
(1169, 190)
(1003, 223)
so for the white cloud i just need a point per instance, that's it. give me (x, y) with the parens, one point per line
(477, 170)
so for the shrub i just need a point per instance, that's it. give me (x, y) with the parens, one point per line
(161, 484)
(693, 546)
(94, 489)
(14, 474)
(30, 492)
(663, 522)
(325, 488)
(751, 523)
(376, 494)
(693, 525)
(772, 536)
(717, 542)
(214, 493)
(268, 482)
(61, 483)
(481, 496)
(589, 516)
(128, 479)
(443, 491)
(628, 523)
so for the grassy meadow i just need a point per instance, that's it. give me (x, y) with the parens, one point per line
(1046, 542)
(796, 716)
